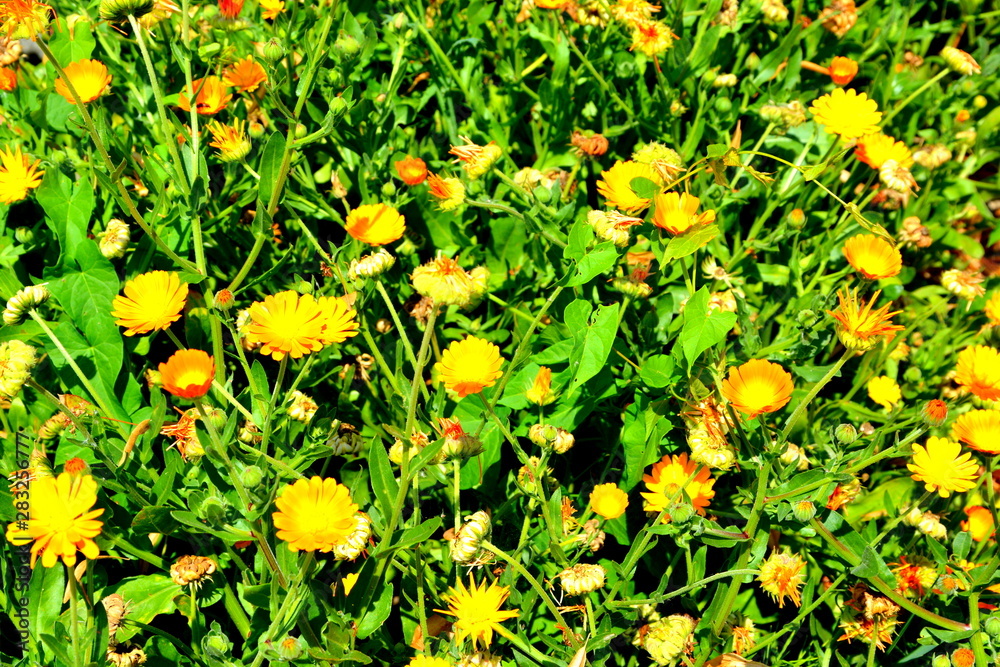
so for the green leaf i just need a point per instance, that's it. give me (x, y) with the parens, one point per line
(961, 544)
(67, 211)
(872, 566)
(580, 236)
(749, 338)
(45, 592)
(67, 46)
(417, 534)
(688, 242)
(643, 187)
(383, 480)
(592, 341)
(270, 166)
(658, 371)
(374, 619)
(154, 519)
(148, 596)
(598, 260)
(703, 329)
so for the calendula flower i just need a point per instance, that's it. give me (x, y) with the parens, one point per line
(188, 373)
(677, 213)
(24, 19)
(25, 300)
(477, 610)
(8, 79)
(286, 323)
(470, 365)
(860, 326)
(942, 467)
(588, 143)
(843, 70)
(870, 618)
(475, 159)
(448, 284)
(303, 408)
(371, 266)
(540, 392)
(932, 156)
(612, 226)
(192, 570)
(61, 520)
(896, 177)
(980, 430)
(17, 175)
(960, 61)
(427, 661)
(608, 501)
(315, 514)
(782, 576)
(709, 448)
(16, 361)
(467, 546)
(270, 9)
(230, 9)
(616, 185)
(341, 321)
(884, 391)
(651, 37)
(89, 78)
(847, 113)
(458, 445)
(978, 369)
(114, 239)
(185, 435)
(118, 11)
(581, 579)
(665, 161)
(839, 17)
(873, 256)
(668, 638)
(450, 192)
(152, 302)
(244, 75)
(979, 524)
(876, 149)
(757, 387)
(411, 170)
(669, 477)
(357, 541)
(231, 141)
(376, 224)
(992, 309)
(211, 96)
(963, 284)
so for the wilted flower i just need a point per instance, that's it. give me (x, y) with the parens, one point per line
(787, 116)
(963, 284)
(870, 618)
(447, 283)
(589, 143)
(839, 17)
(932, 156)
(581, 579)
(782, 576)
(612, 226)
(467, 546)
(303, 408)
(896, 177)
(709, 448)
(774, 11)
(667, 638)
(357, 541)
(16, 361)
(24, 19)
(450, 192)
(475, 159)
(960, 61)
(231, 141)
(540, 392)
(192, 570)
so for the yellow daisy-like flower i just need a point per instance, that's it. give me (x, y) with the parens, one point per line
(62, 520)
(978, 369)
(287, 323)
(450, 192)
(376, 224)
(188, 373)
(615, 185)
(877, 149)
(847, 113)
(757, 387)
(245, 75)
(341, 320)
(212, 96)
(669, 476)
(608, 501)
(477, 610)
(541, 392)
(427, 661)
(270, 9)
(17, 175)
(980, 430)
(980, 522)
(90, 79)
(448, 284)
(860, 326)
(942, 467)
(992, 309)
(152, 302)
(651, 37)
(231, 141)
(677, 213)
(884, 391)
(782, 575)
(470, 365)
(874, 257)
(314, 515)
(24, 19)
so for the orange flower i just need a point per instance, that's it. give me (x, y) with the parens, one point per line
(980, 523)
(270, 9)
(876, 149)
(978, 369)
(188, 373)
(980, 430)
(874, 257)
(860, 326)
(673, 478)
(450, 192)
(843, 70)
(8, 79)
(375, 224)
(211, 96)
(245, 75)
(230, 9)
(782, 576)
(412, 170)
(23, 19)
(616, 185)
(758, 386)
(676, 213)
(90, 79)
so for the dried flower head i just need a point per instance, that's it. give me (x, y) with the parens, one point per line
(192, 570)
(782, 576)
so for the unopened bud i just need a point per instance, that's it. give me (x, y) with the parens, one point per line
(24, 301)
(680, 513)
(960, 61)
(371, 266)
(846, 434)
(803, 511)
(468, 543)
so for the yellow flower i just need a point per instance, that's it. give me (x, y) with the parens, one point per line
(884, 391)
(152, 302)
(608, 501)
(651, 37)
(980, 430)
(61, 520)
(271, 8)
(375, 224)
(448, 284)
(963, 284)
(341, 320)
(427, 661)
(16, 361)
(188, 373)
(114, 240)
(17, 175)
(23, 19)
(757, 387)
(992, 309)
(89, 78)
(676, 212)
(231, 141)
(672, 474)
(877, 149)
(847, 113)
(616, 185)
(960, 61)
(450, 192)
(874, 257)
(475, 159)
(978, 369)
(314, 515)
(782, 575)
(287, 324)
(541, 390)
(477, 610)
(211, 96)
(859, 326)
(244, 75)
(470, 365)
(942, 467)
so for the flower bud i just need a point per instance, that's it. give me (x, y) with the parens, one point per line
(249, 434)
(273, 51)
(934, 413)
(346, 46)
(581, 579)
(290, 649)
(846, 434)
(16, 361)
(458, 445)
(680, 513)
(357, 541)
(114, 239)
(216, 645)
(941, 661)
(467, 547)
(25, 300)
(371, 266)
(804, 511)
(633, 288)
(224, 299)
(980, 102)
(725, 81)
(24, 235)
(796, 218)
(542, 434)
(212, 510)
(960, 61)
(252, 476)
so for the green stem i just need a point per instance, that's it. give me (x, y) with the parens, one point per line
(525, 648)
(273, 403)
(681, 591)
(977, 637)
(456, 473)
(288, 609)
(231, 399)
(73, 620)
(395, 320)
(902, 105)
(816, 388)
